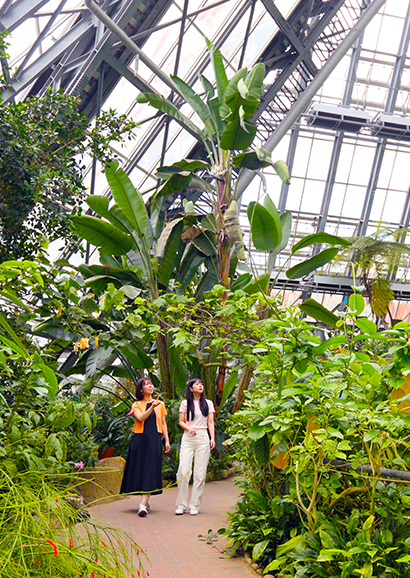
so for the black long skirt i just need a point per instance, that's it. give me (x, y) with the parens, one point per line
(143, 467)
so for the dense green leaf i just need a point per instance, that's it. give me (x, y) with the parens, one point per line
(209, 279)
(311, 264)
(249, 160)
(318, 312)
(261, 284)
(261, 449)
(197, 104)
(259, 549)
(136, 356)
(241, 282)
(356, 303)
(286, 223)
(366, 325)
(108, 238)
(266, 230)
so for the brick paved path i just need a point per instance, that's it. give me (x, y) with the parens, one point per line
(171, 541)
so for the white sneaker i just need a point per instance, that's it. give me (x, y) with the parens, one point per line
(179, 511)
(142, 511)
(193, 511)
(148, 506)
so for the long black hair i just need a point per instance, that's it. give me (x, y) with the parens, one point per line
(139, 394)
(190, 401)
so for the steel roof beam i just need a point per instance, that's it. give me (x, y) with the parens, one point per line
(47, 59)
(305, 98)
(18, 13)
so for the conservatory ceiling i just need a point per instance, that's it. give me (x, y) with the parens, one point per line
(348, 151)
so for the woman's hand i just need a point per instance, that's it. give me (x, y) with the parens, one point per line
(167, 447)
(192, 431)
(156, 402)
(212, 444)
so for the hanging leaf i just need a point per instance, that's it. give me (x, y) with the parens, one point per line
(249, 160)
(356, 303)
(310, 265)
(320, 238)
(254, 79)
(209, 279)
(286, 223)
(382, 294)
(314, 309)
(229, 387)
(265, 229)
(108, 238)
(241, 282)
(136, 356)
(282, 170)
(270, 206)
(189, 266)
(162, 241)
(261, 284)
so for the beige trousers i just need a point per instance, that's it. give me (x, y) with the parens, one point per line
(193, 448)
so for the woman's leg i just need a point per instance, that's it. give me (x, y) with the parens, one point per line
(202, 452)
(186, 454)
(145, 499)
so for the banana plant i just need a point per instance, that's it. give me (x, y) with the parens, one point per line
(139, 254)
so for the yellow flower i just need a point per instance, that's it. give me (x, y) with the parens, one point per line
(60, 310)
(83, 343)
(76, 345)
(96, 339)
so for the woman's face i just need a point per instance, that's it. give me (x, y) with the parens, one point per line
(148, 387)
(197, 387)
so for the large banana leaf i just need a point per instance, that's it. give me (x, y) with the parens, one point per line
(162, 241)
(254, 79)
(167, 263)
(314, 309)
(209, 279)
(235, 137)
(310, 265)
(266, 230)
(250, 160)
(320, 238)
(219, 71)
(164, 105)
(108, 238)
(189, 266)
(286, 222)
(99, 204)
(136, 356)
(261, 283)
(197, 104)
(270, 206)
(128, 199)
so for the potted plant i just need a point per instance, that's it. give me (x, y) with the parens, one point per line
(108, 434)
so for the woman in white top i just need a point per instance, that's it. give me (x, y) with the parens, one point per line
(196, 417)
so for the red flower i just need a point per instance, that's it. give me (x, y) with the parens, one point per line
(54, 546)
(37, 561)
(138, 551)
(105, 545)
(71, 545)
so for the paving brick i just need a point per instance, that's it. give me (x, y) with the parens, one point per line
(172, 542)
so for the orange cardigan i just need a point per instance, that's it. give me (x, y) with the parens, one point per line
(160, 412)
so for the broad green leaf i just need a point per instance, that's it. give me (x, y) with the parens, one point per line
(311, 264)
(207, 86)
(249, 160)
(282, 170)
(320, 238)
(21, 352)
(286, 223)
(167, 263)
(254, 79)
(126, 196)
(270, 206)
(241, 281)
(136, 356)
(197, 104)
(98, 203)
(259, 549)
(209, 279)
(164, 105)
(366, 325)
(336, 340)
(356, 303)
(266, 230)
(219, 70)
(237, 97)
(177, 370)
(162, 241)
(50, 377)
(314, 309)
(108, 238)
(229, 386)
(175, 184)
(235, 137)
(205, 243)
(185, 167)
(189, 266)
(11, 296)
(261, 284)
(261, 450)
(289, 546)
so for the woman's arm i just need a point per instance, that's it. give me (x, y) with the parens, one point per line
(142, 416)
(211, 428)
(165, 433)
(184, 425)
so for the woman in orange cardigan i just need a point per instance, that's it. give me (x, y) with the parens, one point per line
(143, 468)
